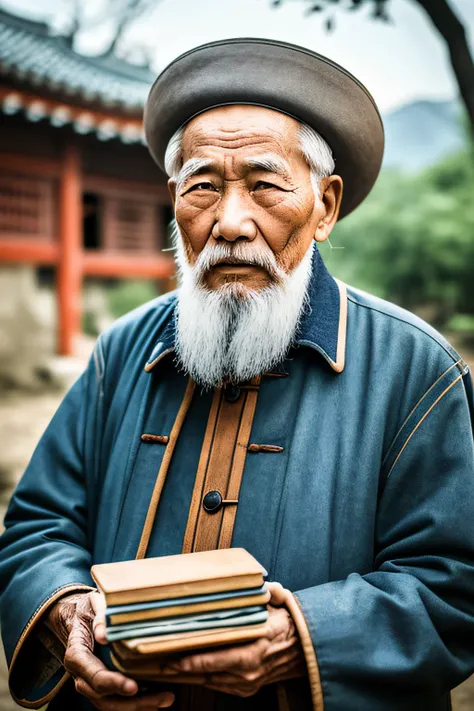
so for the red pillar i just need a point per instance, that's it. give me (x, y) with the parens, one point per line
(69, 274)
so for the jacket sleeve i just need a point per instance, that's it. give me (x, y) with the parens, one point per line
(45, 549)
(401, 637)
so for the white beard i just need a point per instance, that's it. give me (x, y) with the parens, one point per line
(234, 333)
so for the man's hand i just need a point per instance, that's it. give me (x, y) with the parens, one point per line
(243, 669)
(74, 619)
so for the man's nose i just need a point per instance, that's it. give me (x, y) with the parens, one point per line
(234, 220)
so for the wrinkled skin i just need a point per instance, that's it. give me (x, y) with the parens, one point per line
(78, 620)
(231, 201)
(243, 669)
(73, 620)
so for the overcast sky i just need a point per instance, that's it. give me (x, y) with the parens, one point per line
(398, 63)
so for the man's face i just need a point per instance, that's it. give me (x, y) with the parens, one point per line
(246, 183)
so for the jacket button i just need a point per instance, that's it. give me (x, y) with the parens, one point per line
(231, 392)
(212, 501)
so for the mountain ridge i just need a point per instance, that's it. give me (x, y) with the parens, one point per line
(421, 132)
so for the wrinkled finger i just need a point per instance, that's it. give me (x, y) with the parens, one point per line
(98, 603)
(243, 657)
(265, 667)
(238, 686)
(286, 669)
(278, 594)
(279, 624)
(98, 625)
(223, 679)
(110, 703)
(99, 632)
(290, 670)
(80, 662)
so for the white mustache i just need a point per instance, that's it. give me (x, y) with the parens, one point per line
(237, 253)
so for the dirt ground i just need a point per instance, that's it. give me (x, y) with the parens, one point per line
(23, 418)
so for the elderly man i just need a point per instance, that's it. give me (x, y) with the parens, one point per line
(262, 405)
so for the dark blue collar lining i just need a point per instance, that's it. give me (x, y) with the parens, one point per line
(319, 328)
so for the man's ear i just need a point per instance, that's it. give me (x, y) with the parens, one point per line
(331, 197)
(172, 191)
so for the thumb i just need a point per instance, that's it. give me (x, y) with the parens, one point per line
(98, 625)
(278, 594)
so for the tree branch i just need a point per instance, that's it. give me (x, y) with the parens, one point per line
(453, 32)
(130, 12)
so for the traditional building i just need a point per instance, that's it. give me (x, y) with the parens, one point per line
(78, 189)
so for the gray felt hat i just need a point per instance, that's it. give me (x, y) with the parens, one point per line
(279, 76)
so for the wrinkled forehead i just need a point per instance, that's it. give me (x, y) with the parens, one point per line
(234, 128)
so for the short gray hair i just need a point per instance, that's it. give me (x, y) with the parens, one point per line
(313, 146)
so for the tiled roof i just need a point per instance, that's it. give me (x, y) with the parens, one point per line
(30, 53)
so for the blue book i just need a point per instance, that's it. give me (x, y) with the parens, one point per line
(141, 611)
(191, 623)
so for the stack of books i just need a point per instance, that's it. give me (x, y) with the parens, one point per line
(181, 603)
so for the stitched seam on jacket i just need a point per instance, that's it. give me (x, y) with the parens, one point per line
(445, 346)
(438, 399)
(414, 408)
(42, 607)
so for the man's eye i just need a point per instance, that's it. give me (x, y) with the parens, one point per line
(263, 185)
(201, 186)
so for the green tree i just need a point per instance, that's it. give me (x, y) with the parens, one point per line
(412, 240)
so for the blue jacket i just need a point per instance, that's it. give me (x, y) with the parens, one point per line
(366, 513)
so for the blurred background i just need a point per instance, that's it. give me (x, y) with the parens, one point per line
(84, 212)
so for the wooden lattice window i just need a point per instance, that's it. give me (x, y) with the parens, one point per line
(26, 207)
(130, 225)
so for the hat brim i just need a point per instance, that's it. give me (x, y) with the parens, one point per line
(279, 76)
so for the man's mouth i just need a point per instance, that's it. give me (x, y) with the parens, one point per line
(236, 264)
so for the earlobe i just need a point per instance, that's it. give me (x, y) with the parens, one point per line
(331, 197)
(323, 235)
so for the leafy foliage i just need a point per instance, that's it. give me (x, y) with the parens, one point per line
(379, 9)
(412, 240)
(128, 294)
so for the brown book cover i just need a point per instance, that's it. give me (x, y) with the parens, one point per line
(194, 608)
(133, 653)
(165, 577)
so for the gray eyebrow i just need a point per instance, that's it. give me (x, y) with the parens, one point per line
(272, 164)
(193, 166)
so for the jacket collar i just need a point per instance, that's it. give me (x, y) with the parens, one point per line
(322, 328)
(324, 323)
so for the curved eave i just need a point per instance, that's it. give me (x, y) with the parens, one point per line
(105, 126)
(86, 97)
(29, 53)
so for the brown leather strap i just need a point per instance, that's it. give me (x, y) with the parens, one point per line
(208, 525)
(221, 468)
(238, 463)
(196, 498)
(301, 625)
(163, 471)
